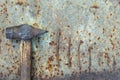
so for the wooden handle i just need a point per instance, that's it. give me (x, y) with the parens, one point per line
(25, 60)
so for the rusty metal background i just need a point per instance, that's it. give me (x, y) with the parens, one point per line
(83, 42)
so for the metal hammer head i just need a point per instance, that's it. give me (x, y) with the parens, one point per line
(23, 32)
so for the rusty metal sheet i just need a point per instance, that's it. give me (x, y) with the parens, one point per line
(83, 42)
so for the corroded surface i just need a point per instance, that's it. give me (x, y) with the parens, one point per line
(83, 40)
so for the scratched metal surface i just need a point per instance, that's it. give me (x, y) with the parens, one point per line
(83, 42)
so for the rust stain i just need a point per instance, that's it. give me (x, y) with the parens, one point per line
(106, 56)
(20, 2)
(99, 59)
(49, 66)
(3, 10)
(7, 44)
(51, 58)
(37, 6)
(104, 30)
(85, 62)
(110, 14)
(89, 50)
(52, 35)
(52, 43)
(35, 25)
(69, 53)
(98, 38)
(89, 34)
(113, 45)
(79, 57)
(58, 46)
(38, 10)
(89, 40)
(95, 5)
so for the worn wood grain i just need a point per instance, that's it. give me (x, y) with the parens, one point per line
(25, 60)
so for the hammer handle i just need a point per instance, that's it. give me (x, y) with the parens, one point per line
(25, 60)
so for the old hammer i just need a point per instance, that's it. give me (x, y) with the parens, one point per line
(24, 33)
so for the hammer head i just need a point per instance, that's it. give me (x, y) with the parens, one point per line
(23, 32)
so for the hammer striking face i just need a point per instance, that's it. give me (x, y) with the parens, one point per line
(23, 32)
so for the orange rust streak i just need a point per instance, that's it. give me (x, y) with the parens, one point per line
(58, 46)
(95, 5)
(49, 66)
(20, 2)
(69, 55)
(79, 62)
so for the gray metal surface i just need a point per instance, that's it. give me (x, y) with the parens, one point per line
(23, 32)
(83, 42)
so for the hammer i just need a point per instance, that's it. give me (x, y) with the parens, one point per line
(24, 33)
